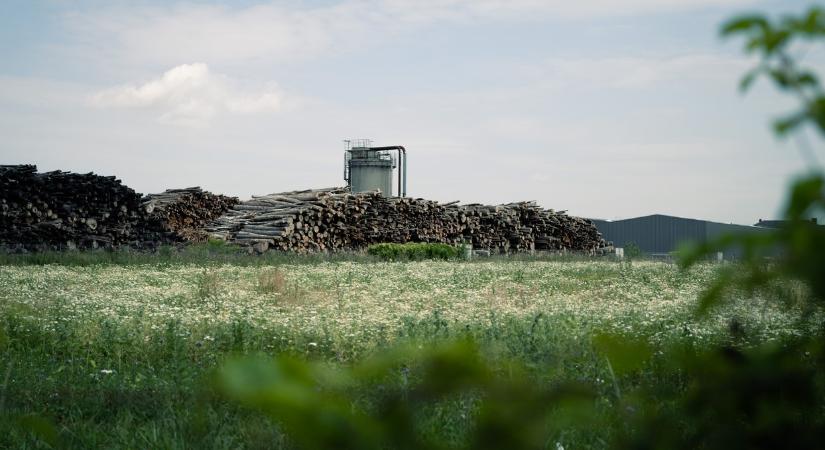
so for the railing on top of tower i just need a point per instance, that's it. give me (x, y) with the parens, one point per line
(357, 143)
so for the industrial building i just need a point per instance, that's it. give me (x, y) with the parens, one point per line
(368, 168)
(660, 235)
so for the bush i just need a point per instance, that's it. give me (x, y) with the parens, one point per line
(414, 251)
(632, 250)
(208, 285)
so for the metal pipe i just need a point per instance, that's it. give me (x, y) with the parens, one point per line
(402, 164)
(346, 167)
(402, 169)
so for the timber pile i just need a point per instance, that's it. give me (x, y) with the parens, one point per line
(335, 219)
(525, 226)
(185, 211)
(63, 210)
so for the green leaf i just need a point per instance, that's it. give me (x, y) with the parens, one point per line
(744, 23)
(754, 43)
(748, 79)
(808, 79)
(288, 391)
(782, 126)
(775, 41)
(805, 193)
(40, 427)
(781, 77)
(715, 293)
(810, 25)
(276, 383)
(450, 368)
(625, 354)
(816, 111)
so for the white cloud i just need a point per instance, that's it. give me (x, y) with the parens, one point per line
(191, 95)
(276, 32)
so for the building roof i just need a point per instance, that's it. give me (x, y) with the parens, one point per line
(669, 217)
(776, 223)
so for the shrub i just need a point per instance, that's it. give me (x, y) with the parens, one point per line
(632, 250)
(208, 284)
(414, 251)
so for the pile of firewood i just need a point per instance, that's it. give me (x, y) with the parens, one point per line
(63, 210)
(59, 210)
(185, 211)
(525, 226)
(335, 219)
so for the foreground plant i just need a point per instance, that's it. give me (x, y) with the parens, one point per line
(318, 404)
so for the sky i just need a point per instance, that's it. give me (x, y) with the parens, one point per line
(605, 108)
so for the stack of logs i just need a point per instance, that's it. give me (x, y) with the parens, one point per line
(335, 219)
(63, 210)
(186, 211)
(57, 210)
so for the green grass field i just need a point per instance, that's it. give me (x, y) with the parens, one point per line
(122, 355)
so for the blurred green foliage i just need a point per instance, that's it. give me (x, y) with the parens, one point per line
(772, 41)
(770, 396)
(797, 249)
(316, 402)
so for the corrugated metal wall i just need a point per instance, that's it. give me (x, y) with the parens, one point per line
(660, 234)
(653, 234)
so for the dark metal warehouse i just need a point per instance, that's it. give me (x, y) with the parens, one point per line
(659, 234)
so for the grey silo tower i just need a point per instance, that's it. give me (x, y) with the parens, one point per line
(368, 168)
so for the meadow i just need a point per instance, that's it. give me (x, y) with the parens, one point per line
(123, 355)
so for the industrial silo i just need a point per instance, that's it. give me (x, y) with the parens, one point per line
(368, 168)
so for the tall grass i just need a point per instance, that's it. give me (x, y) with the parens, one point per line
(212, 253)
(110, 356)
(218, 252)
(119, 387)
